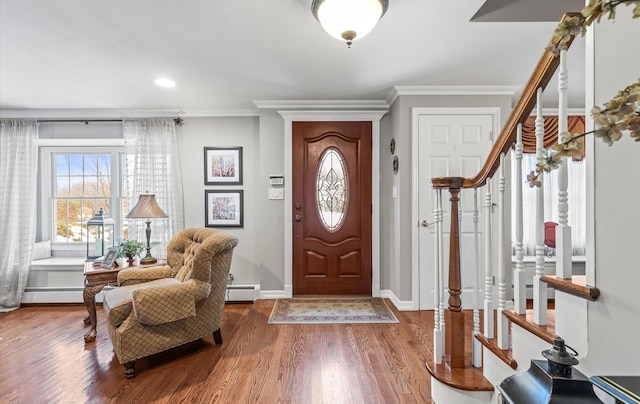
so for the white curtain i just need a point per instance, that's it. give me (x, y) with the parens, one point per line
(577, 204)
(18, 176)
(153, 166)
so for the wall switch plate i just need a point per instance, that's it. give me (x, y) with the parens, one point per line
(276, 193)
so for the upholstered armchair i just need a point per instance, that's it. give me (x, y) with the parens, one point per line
(157, 308)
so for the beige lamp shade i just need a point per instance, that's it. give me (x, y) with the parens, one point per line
(147, 207)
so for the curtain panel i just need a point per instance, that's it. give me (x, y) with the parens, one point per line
(153, 166)
(575, 126)
(18, 176)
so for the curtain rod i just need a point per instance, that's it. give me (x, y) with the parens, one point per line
(178, 121)
(86, 121)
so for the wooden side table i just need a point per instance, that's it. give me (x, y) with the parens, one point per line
(95, 278)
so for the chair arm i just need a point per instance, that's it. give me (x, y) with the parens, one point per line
(133, 275)
(164, 304)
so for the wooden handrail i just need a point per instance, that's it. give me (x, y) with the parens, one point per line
(540, 77)
(454, 321)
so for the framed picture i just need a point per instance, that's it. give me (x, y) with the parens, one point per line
(110, 257)
(223, 208)
(223, 166)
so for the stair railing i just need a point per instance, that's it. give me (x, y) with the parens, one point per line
(510, 137)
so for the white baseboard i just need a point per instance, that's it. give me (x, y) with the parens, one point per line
(242, 293)
(273, 294)
(401, 305)
(52, 295)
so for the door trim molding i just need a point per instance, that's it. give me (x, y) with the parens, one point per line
(415, 213)
(365, 115)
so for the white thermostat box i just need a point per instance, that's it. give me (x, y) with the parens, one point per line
(276, 180)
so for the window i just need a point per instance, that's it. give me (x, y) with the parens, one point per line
(76, 183)
(331, 185)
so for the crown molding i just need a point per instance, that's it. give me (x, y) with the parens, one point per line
(322, 104)
(397, 91)
(98, 114)
(88, 113)
(333, 115)
(219, 113)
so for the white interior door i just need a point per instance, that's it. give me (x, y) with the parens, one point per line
(451, 144)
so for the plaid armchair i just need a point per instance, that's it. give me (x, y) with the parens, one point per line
(157, 308)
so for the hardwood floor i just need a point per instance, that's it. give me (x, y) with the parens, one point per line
(43, 359)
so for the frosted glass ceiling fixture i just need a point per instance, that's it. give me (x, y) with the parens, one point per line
(348, 19)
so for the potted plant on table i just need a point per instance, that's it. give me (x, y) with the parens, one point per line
(131, 248)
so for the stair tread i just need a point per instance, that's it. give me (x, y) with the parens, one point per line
(467, 378)
(576, 286)
(546, 332)
(506, 355)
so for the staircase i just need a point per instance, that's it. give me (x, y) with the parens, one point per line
(472, 354)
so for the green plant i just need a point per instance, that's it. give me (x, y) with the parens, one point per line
(130, 248)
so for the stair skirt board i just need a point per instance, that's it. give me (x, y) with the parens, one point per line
(494, 369)
(443, 394)
(526, 346)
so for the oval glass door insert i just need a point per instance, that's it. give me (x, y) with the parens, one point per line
(332, 189)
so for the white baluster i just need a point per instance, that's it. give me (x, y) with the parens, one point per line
(438, 351)
(441, 271)
(519, 281)
(477, 346)
(539, 287)
(563, 230)
(503, 322)
(488, 273)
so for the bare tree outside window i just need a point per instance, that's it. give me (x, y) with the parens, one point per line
(82, 187)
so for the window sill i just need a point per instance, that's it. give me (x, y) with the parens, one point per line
(58, 264)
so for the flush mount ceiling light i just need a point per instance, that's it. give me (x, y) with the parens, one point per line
(165, 82)
(348, 19)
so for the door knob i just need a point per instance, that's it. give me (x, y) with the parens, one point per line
(425, 223)
(298, 206)
(298, 218)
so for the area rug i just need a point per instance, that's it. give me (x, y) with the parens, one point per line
(331, 310)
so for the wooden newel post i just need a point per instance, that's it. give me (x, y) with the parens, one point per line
(454, 317)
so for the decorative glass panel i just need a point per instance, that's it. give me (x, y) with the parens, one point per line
(332, 189)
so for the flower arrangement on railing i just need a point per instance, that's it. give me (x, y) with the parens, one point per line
(620, 114)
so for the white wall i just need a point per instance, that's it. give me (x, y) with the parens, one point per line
(193, 136)
(614, 319)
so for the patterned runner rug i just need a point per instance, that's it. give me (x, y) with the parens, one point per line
(331, 310)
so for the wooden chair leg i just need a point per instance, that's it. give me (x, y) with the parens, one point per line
(130, 369)
(217, 336)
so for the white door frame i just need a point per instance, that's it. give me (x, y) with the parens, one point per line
(415, 155)
(368, 116)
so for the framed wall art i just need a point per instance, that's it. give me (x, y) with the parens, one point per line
(223, 166)
(223, 208)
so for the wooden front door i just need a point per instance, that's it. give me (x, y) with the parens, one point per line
(331, 208)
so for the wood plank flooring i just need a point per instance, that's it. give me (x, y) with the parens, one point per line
(43, 359)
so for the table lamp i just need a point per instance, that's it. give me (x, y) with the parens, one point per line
(147, 208)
